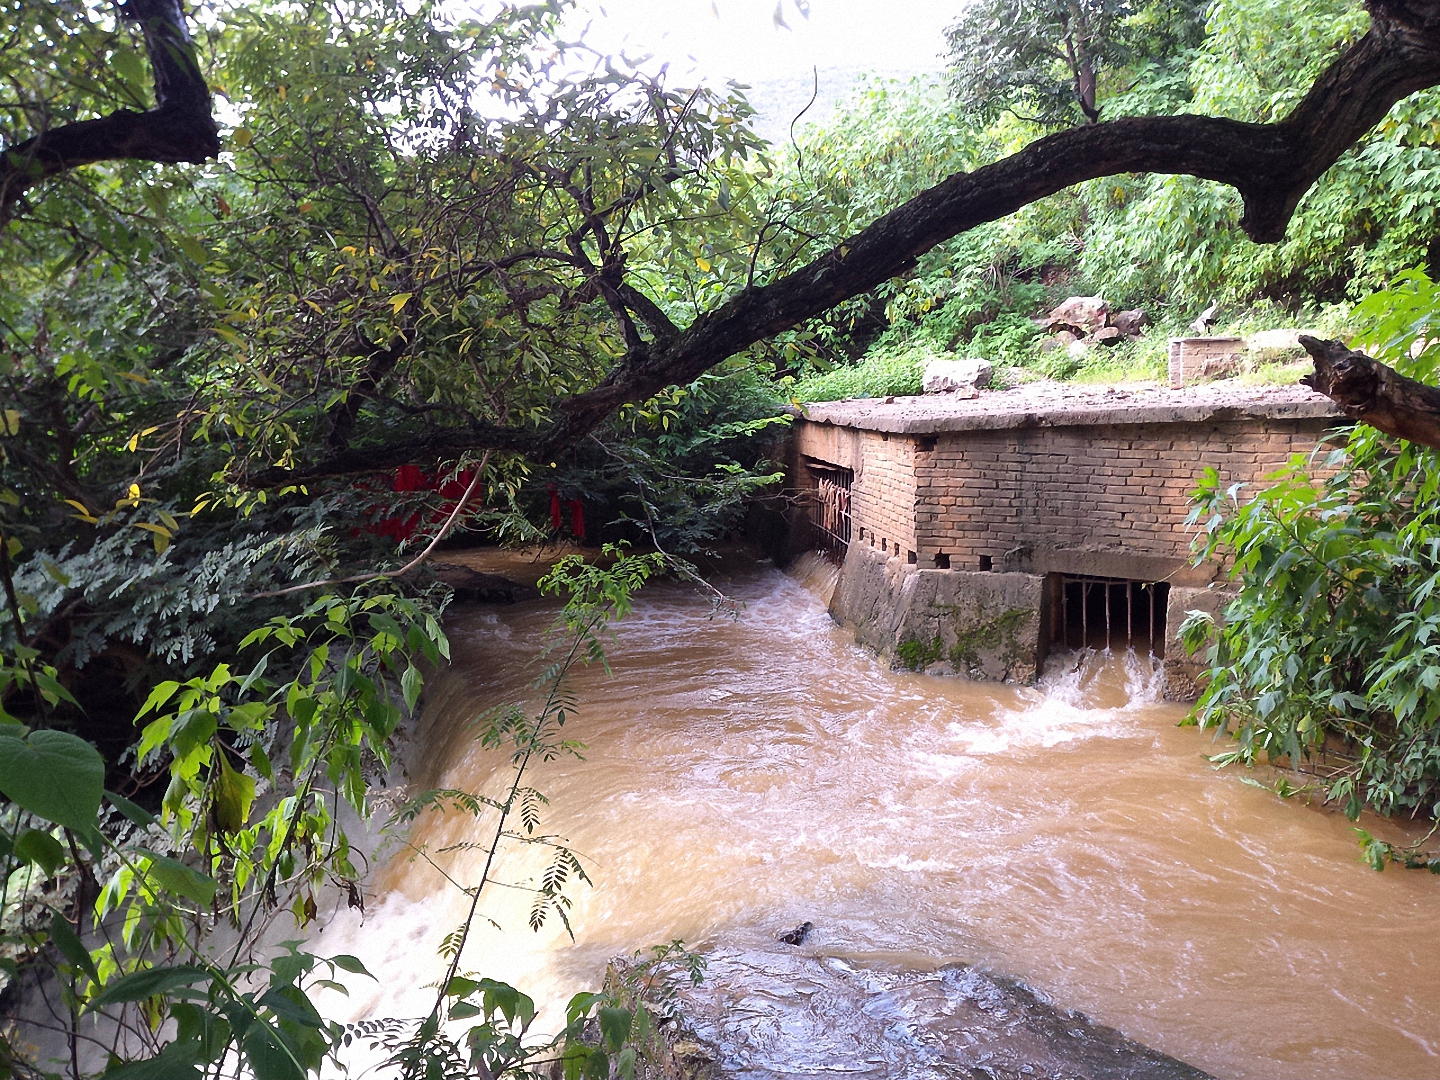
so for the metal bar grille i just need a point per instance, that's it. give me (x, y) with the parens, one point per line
(1106, 613)
(829, 510)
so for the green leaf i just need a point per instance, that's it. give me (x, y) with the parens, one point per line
(138, 814)
(346, 962)
(70, 945)
(178, 878)
(410, 684)
(179, 1060)
(200, 1024)
(233, 793)
(42, 849)
(459, 986)
(54, 775)
(140, 985)
(193, 248)
(615, 1026)
(261, 761)
(267, 1052)
(290, 1003)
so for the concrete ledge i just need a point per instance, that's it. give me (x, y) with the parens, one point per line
(1050, 405)
(1185, 674)
(978, 624)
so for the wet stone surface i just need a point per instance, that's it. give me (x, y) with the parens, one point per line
(784, 1013)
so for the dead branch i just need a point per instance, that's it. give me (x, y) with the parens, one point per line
(1373, 393)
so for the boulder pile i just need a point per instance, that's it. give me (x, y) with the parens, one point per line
(1082, 321)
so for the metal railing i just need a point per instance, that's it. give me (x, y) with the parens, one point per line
(829, 511)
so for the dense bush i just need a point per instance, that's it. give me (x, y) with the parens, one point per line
(1168, 244)
(1328, 661)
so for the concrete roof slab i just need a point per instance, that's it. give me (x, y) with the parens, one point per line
(1041, 405)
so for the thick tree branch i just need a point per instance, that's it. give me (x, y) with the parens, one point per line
(1373, 393)
(179, 128)
(1270, 165)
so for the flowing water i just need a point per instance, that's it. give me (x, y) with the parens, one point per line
(744, 775)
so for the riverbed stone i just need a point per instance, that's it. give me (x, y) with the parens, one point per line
(767, 1014)
(1082, 314)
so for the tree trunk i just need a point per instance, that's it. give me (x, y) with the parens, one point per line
(179, 128)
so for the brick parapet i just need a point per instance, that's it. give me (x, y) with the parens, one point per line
(1104, 499)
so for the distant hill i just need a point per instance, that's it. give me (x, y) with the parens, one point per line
(778, 101)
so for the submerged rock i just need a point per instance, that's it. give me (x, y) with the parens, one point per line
(480, 588)
(798, 935)
(781, 1013)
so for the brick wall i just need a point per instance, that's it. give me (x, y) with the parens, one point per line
(882, 493)
(1109, 500)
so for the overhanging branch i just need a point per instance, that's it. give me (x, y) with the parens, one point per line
(1270, 165)
(1374, 393)
(179, 129)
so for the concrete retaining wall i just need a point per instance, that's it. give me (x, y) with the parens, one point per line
(981, 625)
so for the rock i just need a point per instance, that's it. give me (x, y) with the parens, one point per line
(1219, 367)
(1077, 350)
(947, 376)
(1108, 335)
(1083, 314)
(1063, 340)
(1130, 323)
(475, 587)
(1206, 319)
(797, 936)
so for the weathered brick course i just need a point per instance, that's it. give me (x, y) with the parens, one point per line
(1049, 499)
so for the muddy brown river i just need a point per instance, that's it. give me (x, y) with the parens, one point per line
(745, 774)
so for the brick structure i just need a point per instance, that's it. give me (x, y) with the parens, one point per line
(1048, 483)
(1196, 358)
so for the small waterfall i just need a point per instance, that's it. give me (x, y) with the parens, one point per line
(817, 573)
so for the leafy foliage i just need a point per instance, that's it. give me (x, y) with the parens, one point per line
(1327, 660)
(1048, 58)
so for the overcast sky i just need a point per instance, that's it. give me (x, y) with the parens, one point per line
(719, 40)
(738, 39)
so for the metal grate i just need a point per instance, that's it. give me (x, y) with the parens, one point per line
(829, 510)
(1102, 613)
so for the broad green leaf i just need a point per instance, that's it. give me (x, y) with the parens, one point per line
(70, 945)
(138, 814)
(233, 792)
(54, 775)
(179, 1060)
(410, 686)
(42, 849)
(615, 1026)
(140, 985)
(269, 1055)
(346, 962)
(290, 1003)
(176, 877)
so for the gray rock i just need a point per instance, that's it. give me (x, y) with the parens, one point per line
(1108, 335)
(947, 376)
(1130, 323)
(1083, 314)
(475, 587)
